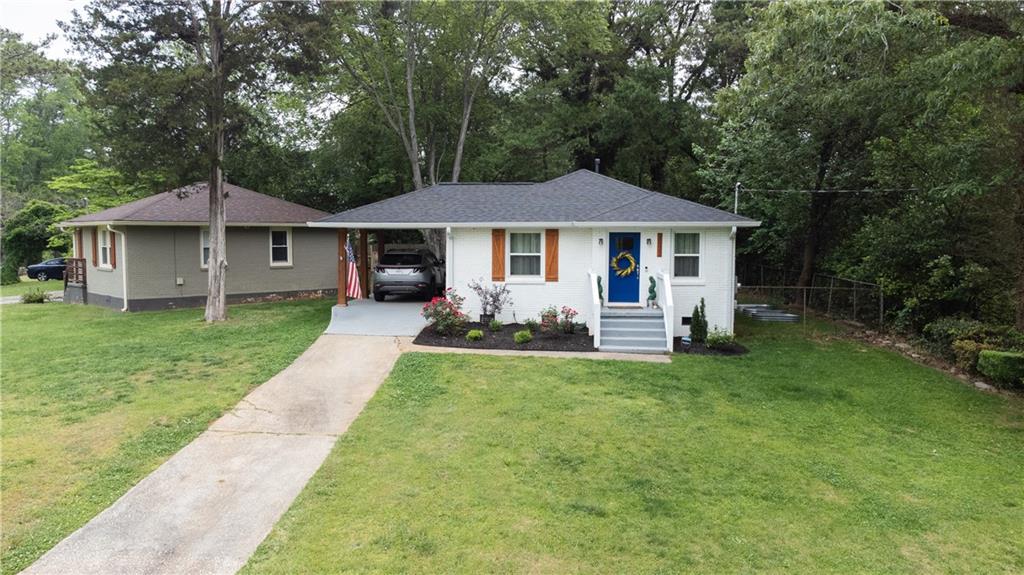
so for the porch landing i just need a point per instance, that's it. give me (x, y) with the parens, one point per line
(369, 317)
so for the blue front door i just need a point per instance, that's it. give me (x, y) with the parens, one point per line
(624, 267)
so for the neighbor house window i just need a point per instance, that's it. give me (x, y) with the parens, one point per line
(280, 247)
(204, 248)
(686, 263)
(524, 255)
(105, 237)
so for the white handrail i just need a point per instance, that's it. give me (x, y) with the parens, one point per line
(667, 307)
(595, 308)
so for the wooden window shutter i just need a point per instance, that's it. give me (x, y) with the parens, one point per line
(659, 244)
(95, 247)
(497, 255)
(551, 255)
(79, 248)
(113, 250)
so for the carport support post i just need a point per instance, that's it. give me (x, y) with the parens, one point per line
(364, 246)
(342, 267)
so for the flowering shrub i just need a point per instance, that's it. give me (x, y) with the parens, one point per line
(446, 313)
(568, 323)
(549, 319)
(493, 298)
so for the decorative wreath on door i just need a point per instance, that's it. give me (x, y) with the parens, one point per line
(630, 264)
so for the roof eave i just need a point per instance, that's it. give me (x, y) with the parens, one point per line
(73, 224)
(579, 224)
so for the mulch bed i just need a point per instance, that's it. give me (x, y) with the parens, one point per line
(701, 349)
(579, 341)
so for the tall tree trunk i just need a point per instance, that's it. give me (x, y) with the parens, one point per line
(1019, 220)
(467, 110)
(216, 308)
(820, 206)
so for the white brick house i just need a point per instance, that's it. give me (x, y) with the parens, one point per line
(582, 240)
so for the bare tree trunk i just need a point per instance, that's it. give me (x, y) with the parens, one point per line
(467, 109)
(216, 308)
(413, 149)
(1019, 219)
(820, 205)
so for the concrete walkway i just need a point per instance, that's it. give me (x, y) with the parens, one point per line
(208, 507)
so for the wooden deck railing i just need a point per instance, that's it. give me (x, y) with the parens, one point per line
(74, 273)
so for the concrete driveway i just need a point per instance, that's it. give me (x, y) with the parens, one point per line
(208, 507)
(394, 316)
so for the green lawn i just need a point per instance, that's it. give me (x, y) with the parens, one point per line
(811, 454)
(28, 285)
(93, 400)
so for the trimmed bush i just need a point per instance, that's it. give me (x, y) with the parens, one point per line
(942, 335)
(719, 338)
(35, 296)
(699, 324)
(523, 336)
(965, 352)
(1006, 368)
(531, 325)
(474, 335)
(495, 325)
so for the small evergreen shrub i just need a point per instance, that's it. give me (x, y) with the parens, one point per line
(35, 296)
(719, 338)
(1006, 368)
(941, 336)
(532, 325)
(523, 336)
(699, 324)
(966, 351)
(495, 325)
(474, 335)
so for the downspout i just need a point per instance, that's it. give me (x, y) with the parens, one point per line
(449, 259)
(732, 280)
(124, 265)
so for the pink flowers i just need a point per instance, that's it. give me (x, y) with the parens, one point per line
(446, 312)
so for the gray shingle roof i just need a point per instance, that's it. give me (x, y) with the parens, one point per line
(581, 196)
(242, 206)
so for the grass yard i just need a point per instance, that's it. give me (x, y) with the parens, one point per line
(811, 454)
(93, 400)
(28, 285)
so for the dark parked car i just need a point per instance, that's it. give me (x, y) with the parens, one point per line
(408, 272)
(48, 270)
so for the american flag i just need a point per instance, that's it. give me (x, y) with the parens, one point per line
(353, 289)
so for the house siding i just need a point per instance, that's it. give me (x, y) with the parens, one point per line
(104, 287)
(585, 249)
(158, 255)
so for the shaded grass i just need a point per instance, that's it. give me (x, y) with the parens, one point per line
(27, 285)
(93, 400)
(810, 454)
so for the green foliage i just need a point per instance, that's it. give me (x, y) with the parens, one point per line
(965, 352)
(523, 336)
(531, 325)
(960, 340)
(699, 324)
(35, 296)
(27, 234)
(1003, 367)
(9, 272)
(474, 335)
(445, 313)
(495, 325)
(719, 338)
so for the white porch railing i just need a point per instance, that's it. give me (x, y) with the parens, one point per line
(667, 306)
(595, 308)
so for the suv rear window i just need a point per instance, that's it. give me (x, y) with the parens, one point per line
(400, 259)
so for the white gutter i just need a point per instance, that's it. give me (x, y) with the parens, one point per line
(124, 265)
(62, 225)
(631, 225)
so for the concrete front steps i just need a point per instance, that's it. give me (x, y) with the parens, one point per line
(633, 331)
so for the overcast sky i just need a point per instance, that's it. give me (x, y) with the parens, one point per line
(34, 19)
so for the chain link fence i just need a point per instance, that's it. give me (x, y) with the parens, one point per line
(833, 296)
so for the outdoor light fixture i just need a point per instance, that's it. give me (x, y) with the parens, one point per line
(648, 241)
(600, 241)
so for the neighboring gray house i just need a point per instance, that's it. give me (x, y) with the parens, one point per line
(152, 253)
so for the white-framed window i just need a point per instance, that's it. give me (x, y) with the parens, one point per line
(105, 238)
(204, 248)
(686, 255)
(525, 255)
(280, 247)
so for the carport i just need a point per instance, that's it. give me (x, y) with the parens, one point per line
(365, 316)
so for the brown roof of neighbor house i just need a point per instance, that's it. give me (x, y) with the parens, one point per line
(242, 206)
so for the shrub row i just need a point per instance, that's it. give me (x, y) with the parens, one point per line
(962, 341)
(1005, 368)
